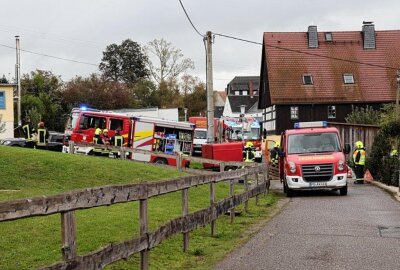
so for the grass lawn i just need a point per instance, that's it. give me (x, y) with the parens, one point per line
(34, 242)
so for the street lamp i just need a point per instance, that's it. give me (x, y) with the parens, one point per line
(243, 118)
(185, 110)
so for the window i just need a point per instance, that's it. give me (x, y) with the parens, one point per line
(244, 93)
(294, 112)
(328, 37)
(237, 93)
(348, 78)
(89, 121)
(255, 92)
(332, 111)
(116, 124)
(2, 100)
(307, 79)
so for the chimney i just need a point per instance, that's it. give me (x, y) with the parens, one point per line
(368, 33)
(312, 37)
(251, 89)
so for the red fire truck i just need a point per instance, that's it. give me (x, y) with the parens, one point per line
(145, 133)
(312, 157)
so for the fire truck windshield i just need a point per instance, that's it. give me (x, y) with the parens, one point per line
(71, 123)
(313, 143)
(200, 134)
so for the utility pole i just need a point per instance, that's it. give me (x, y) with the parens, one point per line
(18, 78)
(210, 94)
(398, 97)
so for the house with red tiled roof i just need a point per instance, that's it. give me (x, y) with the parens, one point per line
(313, 76)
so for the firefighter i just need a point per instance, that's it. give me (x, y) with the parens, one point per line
(105, 137)
(97, 137)
(394, 153)
(29, 133)
(249, 152)
(274, 154)
(359, 162)
(42, 136)
(117, 139)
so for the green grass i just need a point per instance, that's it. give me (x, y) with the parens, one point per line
(34, 242)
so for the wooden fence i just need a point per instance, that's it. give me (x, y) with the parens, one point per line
(67, 203)
(350, 133)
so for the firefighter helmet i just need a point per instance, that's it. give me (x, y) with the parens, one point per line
(249, 144)
(277, 144)
(359, 145)
(98, 131)
(105, 130)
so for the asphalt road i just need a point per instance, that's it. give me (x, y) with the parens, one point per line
(322, 230)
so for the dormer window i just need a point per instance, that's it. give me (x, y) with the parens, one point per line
(348, 78)
(307, 79)
(328, 37)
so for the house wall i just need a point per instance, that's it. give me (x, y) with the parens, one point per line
(8, 111)
(317, 112)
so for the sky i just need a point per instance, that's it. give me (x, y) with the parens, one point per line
(81, 30)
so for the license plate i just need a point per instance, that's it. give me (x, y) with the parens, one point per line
(318, 184)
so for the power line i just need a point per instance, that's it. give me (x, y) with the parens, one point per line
(50, 56)
(187, 16)
(308, 53)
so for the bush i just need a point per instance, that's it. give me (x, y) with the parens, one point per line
(383, 167)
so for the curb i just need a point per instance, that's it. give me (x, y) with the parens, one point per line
(394, 191)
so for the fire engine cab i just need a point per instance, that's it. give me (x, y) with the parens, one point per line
(312, 157)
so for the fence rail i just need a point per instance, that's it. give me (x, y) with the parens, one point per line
(65, 204)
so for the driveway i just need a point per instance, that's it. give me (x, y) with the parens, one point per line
(322, 230)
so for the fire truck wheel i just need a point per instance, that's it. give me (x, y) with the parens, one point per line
(162, 161)
(343, 191)
(230, 168)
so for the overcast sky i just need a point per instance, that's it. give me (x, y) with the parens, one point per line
(80, 30)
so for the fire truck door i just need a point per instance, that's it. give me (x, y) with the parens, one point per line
(143, 139)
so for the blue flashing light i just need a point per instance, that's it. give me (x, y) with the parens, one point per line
(83, 108)
(316, 124)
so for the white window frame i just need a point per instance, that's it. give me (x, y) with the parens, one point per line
(328, 36)
(331, 111)
(311, 78)
(294, 112)
(237, 93)
(245, 93)
(348, 78)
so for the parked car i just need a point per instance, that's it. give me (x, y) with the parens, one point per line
(55, 142)
(20, 142)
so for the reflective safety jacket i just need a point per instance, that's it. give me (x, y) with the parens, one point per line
(43, 135)
(359, 156)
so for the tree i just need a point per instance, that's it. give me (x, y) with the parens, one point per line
(360, 115)
(3, 79)
(41, 81)
(41, 98)
(124, 63)
(196, 101)
(96, 92)
(167, 95)
(170, 63)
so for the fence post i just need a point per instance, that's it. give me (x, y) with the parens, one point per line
(232, 193)
(122, 152)
(68, 235)
(257, 198)
(246, 188)
(212, 201)
(185, 212)
(179, 162)
(144, 255)
(265, 179)
(71, 147)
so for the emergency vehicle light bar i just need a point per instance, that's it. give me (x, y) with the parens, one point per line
(311, 124)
